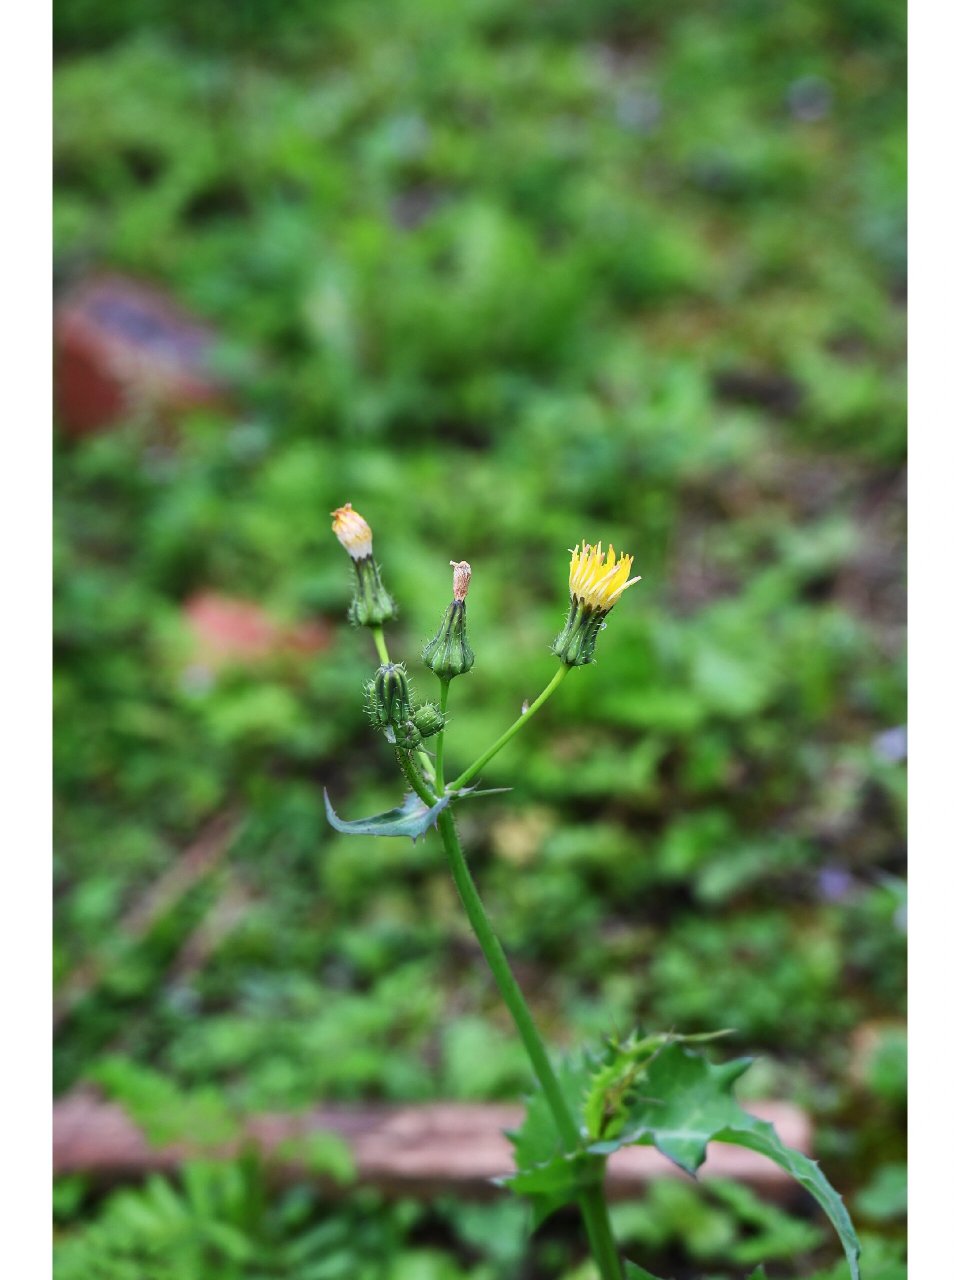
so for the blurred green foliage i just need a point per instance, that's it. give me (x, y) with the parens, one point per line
(505, 277)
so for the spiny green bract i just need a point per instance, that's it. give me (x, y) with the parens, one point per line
(428, 719)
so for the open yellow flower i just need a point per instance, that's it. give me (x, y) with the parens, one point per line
(599, 581)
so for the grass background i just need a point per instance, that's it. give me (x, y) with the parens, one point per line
(505, 277)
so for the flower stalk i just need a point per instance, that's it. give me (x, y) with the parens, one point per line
(441, 736)
(524, 718)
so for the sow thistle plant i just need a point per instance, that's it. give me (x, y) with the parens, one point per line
(646, 1089)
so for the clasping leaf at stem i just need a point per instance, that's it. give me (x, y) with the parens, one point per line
(412, 818)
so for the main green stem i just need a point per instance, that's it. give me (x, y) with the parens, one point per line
(603, 1246)
(472, 771)
(506, 982)
(592, 1204)
(591, 1200)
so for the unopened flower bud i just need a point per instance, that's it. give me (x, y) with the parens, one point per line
(388, 697)
(449, 654)
(372, 604)
(353, 532)
(428, 719)
(405, 735)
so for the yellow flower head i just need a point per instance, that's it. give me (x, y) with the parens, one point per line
(598, 581)
(352, 531)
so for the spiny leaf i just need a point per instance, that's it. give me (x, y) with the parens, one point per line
(545, 1174)
(687, 1102)
(617, 1077)
(412, 818)
(760, 1136)
(685, 1099)
(536, 1141)
(565, 1176)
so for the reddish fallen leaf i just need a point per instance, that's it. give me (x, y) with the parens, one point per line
(122, 346)
(227, 630)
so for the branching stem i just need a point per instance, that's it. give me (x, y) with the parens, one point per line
(472, 771)
(415, 778)
(592, 1203)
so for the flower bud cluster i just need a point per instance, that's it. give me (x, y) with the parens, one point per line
(390, 706)
(597, 581)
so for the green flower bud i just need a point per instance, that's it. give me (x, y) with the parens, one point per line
(388, 697)
(449, 654)
(405, 735)
(428, 719)
(372, 604)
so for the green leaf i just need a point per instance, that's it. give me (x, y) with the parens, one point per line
(545, 1205)
(760, 1136)
(165, 1112)
(412, 818)
(536, 1142)
(564, 1177)
(619, 1075)
(685, 1102)
(546, 1175)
